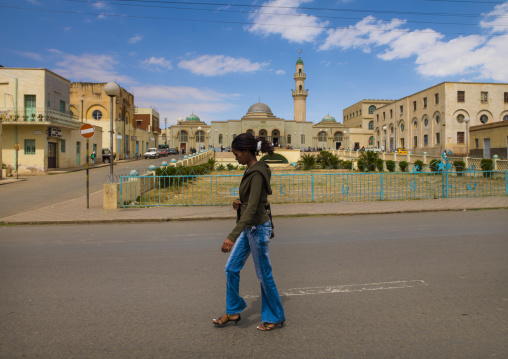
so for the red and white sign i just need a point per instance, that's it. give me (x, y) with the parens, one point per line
(87, 130)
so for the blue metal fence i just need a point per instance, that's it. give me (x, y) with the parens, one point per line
(317, 186)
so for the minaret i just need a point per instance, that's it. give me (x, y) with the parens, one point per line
(300, 93)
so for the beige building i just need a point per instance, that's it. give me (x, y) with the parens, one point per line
(147, 130)
(36, 115)
(92, 105)
(489, 140)
(436, 118)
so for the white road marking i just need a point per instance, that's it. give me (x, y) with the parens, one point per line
(348, 288)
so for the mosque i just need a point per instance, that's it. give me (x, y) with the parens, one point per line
(260, 121)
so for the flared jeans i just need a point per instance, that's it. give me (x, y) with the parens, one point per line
(253, 240)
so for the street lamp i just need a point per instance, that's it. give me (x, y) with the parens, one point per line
(466, 120)
(180, 120)
(384, 130)
(199, 134)
(227, 139)
(213, 139)
(112, 90)
(208, 133)
(345, 140)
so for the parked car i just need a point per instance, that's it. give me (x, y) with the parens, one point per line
(163, 152)
(152, 153)
(373, 149)
(106, 155)
(401, 151)
(172, 151)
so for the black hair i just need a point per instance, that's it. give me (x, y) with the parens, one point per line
(247, 142)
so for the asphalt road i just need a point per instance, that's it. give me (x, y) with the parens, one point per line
(429, 285)
(44, 190)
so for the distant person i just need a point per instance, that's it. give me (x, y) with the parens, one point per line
(93, 158)
(251, 234)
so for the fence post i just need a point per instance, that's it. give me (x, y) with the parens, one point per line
(506, 182)
(312, 186)
(382, 197)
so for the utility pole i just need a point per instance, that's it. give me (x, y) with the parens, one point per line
(166, 126)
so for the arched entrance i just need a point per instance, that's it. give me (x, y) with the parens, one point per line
(263, 134)
(275, 137)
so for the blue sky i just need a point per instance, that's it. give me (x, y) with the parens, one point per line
(216, 58)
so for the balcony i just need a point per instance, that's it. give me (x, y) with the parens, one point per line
(300, 76)
(300, 92)
(38, 116)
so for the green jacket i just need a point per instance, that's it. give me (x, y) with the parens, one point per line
(254, 190)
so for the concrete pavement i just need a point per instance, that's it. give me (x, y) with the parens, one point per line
(75, 211)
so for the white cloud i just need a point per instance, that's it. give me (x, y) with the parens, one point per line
(35, 2)
(157, 64)
(289, 23)
(99, 5)
(89, 67)
(179, 101)
(216, 65)
(135, 39)
(280, 72)
(30, 55)
(497, 20)
(480, 56)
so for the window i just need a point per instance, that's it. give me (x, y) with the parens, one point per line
(200, 136)
(220, 139)
(62, 145)
(97, 115)
(300, 87)
(484, 97)
(415, 125)
(438, 119)
(299, 71)
(377, 117)
(401, 109)
(251, 131)
(62, 106)
(461, 96)
(425, 102)
(391, 113)
(425, 140)
(322, 136)
(372, 108)
(289, 139)
(414, 105)
(506, 97)
(402, 127)
(183, 136)
(384, 116)
(426, 122)
(29, 147)
(338, 137)
(371, 140)
(460, 118)
(415, 141)
(436, 98)
(302, 139)
(484, 119)
(505, 118)
(438, 138)
(476, 142)
(371, 124)
(460, 137)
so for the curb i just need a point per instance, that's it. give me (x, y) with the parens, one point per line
(229, 217)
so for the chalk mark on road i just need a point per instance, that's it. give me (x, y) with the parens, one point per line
(348, 288)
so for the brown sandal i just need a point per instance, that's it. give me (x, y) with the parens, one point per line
(220, 323)
(266, 327)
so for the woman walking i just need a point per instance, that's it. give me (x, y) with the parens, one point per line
(251, 235)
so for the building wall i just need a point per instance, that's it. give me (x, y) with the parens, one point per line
(496, 132)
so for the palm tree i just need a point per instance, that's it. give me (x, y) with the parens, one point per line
(367, 161)
(307, 162)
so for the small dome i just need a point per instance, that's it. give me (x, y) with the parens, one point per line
(192, 117)
(299, 61)
(259, 108)
(329, 118)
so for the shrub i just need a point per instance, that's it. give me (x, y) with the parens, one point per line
(221, 167)
(390, 166)
(328, 160)
(419, 165)
(4, 166)
(231, 167)
(211, 162)
(459, 165)
(307, 162)
(434, 165)
(276, 158)
(487, 165)
(403, 166)
(367, 160)
(347, 165)
(380, 164)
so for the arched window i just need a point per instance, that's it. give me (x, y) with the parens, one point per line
(371, 125)
(302, 139)
(371, 109)
(401, 127)
(415, 125)
(289, 140)
(220, 139)
(322, 136)
(234, 136)
(338, 137)
(426, 122)
(484, 119)
(200, 136)
(505, 118)
(299, 71)
(184, 136)
(438, 119)
(301, 88)
(371, 140)
(251, 131)
(460, 118)
(97, 115)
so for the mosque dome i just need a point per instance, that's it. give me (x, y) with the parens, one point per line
(259, 108)
(329, 118)
(299, 61)
(193, 117)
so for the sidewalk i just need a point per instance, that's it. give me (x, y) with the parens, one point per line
(74, 211)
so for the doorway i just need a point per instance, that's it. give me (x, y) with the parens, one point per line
(51, 155)
(78, 153)
(486, 148)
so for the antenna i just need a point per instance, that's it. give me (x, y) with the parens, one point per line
(299, 53)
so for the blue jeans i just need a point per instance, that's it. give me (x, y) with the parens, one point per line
(253, 240)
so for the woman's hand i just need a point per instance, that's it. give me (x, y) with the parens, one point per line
(227, 245)
(236, 204)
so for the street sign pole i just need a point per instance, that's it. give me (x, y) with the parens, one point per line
(16, 147)
(87, 131)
